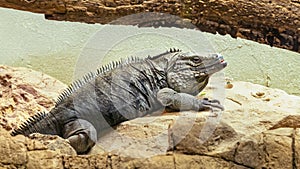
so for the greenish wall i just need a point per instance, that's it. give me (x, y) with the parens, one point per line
(61, 49)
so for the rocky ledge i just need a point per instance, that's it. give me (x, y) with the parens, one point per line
(258, 129)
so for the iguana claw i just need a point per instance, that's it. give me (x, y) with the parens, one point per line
(212, 101)
(211, 104)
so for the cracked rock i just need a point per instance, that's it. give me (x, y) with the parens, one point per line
(252, 132)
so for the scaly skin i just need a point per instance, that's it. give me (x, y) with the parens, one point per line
(124, 92)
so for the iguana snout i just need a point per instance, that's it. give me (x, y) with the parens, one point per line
(213, 64)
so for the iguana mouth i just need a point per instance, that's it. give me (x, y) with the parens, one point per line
(218, 60)
(212, 67)
(222, 61)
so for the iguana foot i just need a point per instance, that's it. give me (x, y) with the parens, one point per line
(209, 104)
(81, 143)
(81, 135)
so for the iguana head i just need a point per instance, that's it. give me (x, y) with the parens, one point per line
(189, 72)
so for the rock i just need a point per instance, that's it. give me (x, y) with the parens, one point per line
(23, 92)
(12, 150)
(183, 161)
(258, 129)
(86, 161)
(35, 152)
(291, 121)
(296, 148)
(255, 131)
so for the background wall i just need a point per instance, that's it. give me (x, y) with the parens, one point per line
(61, 48)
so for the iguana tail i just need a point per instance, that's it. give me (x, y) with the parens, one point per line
(39, 123)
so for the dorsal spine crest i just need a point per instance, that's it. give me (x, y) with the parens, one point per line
(173, 50)
(28, 123)
(103, 69)
(89, 76)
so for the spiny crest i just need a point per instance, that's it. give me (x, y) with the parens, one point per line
(174, 50)
(171, 50)
(90, 76)
(132, 59)
(28, 123)
(74, 86)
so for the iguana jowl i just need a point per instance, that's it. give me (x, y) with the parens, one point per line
(124, 91)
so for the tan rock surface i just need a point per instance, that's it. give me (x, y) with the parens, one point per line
(23, 92)
(39, 151)
(258, 129)
(296, 148)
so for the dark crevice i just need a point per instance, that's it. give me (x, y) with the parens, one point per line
(63, 161)
(296, 1)
(108, 162)
(172, 146)
(89, 162)
(235, 150)
(294, 163)
(296, 44)
(171, 140)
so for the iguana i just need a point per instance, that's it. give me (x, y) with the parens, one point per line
(124, 91)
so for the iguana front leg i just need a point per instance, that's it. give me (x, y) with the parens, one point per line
(183, 101)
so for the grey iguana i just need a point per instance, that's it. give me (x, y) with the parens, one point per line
(126, 90)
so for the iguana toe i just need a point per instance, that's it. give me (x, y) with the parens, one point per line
(211, 104)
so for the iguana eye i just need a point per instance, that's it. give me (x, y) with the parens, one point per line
(196, 59)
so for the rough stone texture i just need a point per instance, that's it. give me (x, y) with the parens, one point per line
(36, 152)
(278, 140)
(24, 92)
(258, 129)
(296, 149)
(270, 22)
(86, 161)
(198, 161)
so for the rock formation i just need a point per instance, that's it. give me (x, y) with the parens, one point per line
(270, 22)
(258, 129)
(24, 92)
